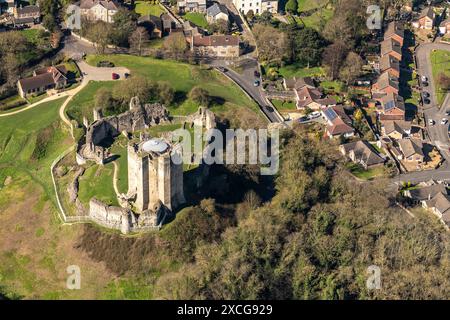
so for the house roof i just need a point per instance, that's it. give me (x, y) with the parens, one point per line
(389, 62)
(363, 152)
(215, 9)
(427, 12)
(28, 10)
(392, 101)
(154, 20)
(440, 201)
(307, 95)
(215, 41)
(338, 121)
(390, 45)
(298, 83)
(42, 78)
(400, 126)
(394, 28)
(411, 147)
(386, 80)
(108, 4)
(428, 192)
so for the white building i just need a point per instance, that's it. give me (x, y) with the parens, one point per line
(99, 9)
(257, 6)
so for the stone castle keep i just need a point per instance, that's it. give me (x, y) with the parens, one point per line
(155, 180)
(153, 176)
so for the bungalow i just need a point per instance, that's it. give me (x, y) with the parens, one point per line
(43, 80)
(191, 6)
(312, 98)
(396, 129)
(392, 48)
(99, 9)
(396, 31)
(412, 150)
(217, 12)
(298, 83)
(392, 107)
(426, 19)
(391, 65)
(444, 27)
(425, 193)
(386, 83)
(440, 206)
(216, 46)
(361, 152)
(338, 122)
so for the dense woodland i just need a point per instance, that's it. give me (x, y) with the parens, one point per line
(313, 240)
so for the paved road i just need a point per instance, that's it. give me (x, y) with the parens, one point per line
(438, 133)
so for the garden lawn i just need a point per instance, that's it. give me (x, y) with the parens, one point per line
(197, 19)
(146, 8)
(440, 61)
(97, 182)
(292, 70)
(284, 105)
(370, 174)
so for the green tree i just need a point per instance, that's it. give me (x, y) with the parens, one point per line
(291, 6)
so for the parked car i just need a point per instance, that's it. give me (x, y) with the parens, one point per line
(447, 113)
(115, 76)
(426, 101)
(256, 83)
(126, 75)
(303, 119)
(423, 79)
(424, 84)
(444, 121)
(269, 108)
(222, 69)
(425, 94)
(314, 115)
(105, 64)
(431, 122)
(256, 74)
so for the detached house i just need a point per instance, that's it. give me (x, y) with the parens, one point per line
(153, 24)
(426, 19)
(396, 31)
(312, 99)
(392, 107)
(385, 84)
(298, 83)
(412, 150)
(192, 6)
(217, 12)
(216, 46)
(361, 152)
(391, 47)
(390, 65)
(257, 6)
(43, 80)
(338, 122)
(440, 206)
(396, 129)
(99, 9)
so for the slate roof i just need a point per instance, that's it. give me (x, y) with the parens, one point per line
(428, 192)
(42, 78)
(400, 126)
(364, 152)
(108, 4)
(441, 202)
(215, 9)
(28, 10)
(411, 147)
(298, 83)
(307, 95)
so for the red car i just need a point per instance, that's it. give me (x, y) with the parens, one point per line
(115, 76)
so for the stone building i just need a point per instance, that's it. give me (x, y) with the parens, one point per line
(153, 176)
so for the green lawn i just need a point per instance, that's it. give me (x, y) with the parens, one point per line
(182, 77)
(306, 5)
(97, 182)
(440, 61)
(147, 8)
(317, 20)
(292, 70)
(33, 35)
(370, 174)
(197, 19)
(284, 105)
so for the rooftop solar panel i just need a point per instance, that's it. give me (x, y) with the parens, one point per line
(330, 114)
(389, 105)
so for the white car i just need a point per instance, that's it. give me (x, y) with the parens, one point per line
(431, 122)
(444, 121)
(314, 115)
(424, 79)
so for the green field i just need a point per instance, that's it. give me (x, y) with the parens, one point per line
(197, 19)
(440, 61)
(147, 8)
(97, 182)
(182, 77)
